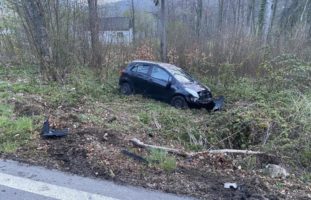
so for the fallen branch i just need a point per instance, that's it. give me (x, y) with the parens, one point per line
(179, 152)
(235, 151)
(136, 142)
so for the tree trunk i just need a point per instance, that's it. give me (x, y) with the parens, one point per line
(250, 14)
(133, 21)
(304, 10)
(199, 17)
(266, 21)
(94, 29)
(220, 14)
(37, 27)
(163, 42)
(275, 4)
(57, 54)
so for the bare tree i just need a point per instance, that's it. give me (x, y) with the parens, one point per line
(265, 18)
(275, 5)
(33, 13)
(295, 14)
(199, 10)
(133, 20)
(94, 29)
(220, 14)
(163, 42)
(250, 14)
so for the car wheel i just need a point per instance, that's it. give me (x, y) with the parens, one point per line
(126, 89)
(179, 102)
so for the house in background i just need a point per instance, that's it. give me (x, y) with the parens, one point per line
(115, 30)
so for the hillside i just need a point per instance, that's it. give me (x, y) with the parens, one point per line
(101, 124)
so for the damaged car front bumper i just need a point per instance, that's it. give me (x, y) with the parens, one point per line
(213, 104)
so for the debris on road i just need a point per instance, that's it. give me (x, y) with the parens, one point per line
(48, 132)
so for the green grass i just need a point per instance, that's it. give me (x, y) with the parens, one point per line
(5, 110)
(161, 159)
(14, 131)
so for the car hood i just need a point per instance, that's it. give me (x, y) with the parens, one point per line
(194, 86)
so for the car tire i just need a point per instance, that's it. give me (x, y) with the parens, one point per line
(126, 89)
(179, 102)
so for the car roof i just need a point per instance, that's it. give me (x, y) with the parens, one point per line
(167, 66)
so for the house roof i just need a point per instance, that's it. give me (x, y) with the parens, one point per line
(115, 24)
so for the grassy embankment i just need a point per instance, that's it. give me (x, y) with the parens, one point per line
(270, 113)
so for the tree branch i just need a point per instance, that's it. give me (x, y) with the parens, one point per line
(179, 152)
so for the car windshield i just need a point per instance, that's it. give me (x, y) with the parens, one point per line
(182, 76)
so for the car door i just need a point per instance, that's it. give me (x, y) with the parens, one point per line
(140, 77)
(159, 84)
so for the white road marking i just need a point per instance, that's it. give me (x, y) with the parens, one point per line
(48, 190)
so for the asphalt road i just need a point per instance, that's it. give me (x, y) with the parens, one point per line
(23, 182)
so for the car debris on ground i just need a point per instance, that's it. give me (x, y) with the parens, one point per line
(218, 103)
(47, 132)
(231, 186)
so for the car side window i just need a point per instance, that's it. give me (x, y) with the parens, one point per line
(134, 68)
(143, 69)
(160, 74)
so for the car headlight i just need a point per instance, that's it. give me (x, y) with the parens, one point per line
(192, 92)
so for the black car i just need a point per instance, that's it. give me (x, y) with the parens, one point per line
(164, 82)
